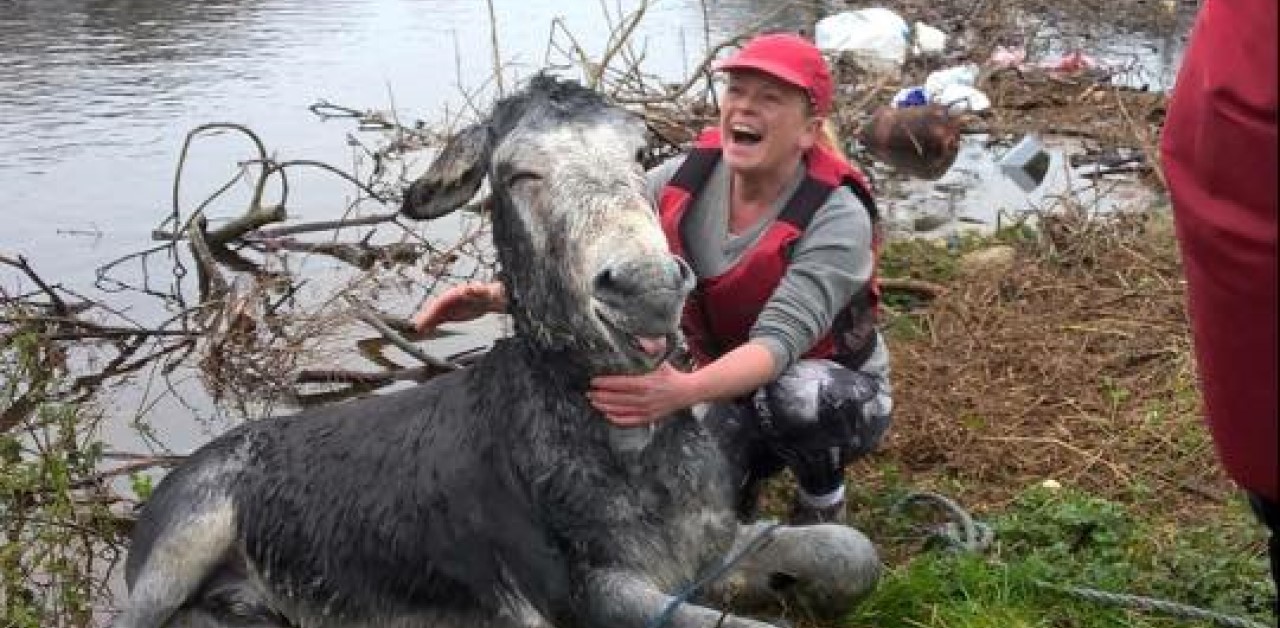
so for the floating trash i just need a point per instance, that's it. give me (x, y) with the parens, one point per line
(1027, 163)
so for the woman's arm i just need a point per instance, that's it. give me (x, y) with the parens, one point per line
(830, 263)
(634, 400)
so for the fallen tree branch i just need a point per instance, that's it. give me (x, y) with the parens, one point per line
(374, 320)
(381, 378)
(362, 256)
(327, 225)
(59, 306)
(212, 284)
(253, 219)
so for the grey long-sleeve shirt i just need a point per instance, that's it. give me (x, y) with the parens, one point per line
(831, 261)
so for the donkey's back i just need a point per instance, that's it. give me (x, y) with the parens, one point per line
(380, 509)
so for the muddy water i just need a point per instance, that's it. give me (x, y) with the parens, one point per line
(97, 95)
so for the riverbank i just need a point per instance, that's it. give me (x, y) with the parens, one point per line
(1048, 389)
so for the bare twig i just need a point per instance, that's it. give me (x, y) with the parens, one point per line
(497, 56)
(59, 306)
(1143, 136)
(619, 40)
(382, 378)
(328, 225)
(374, 320)
(360, 255)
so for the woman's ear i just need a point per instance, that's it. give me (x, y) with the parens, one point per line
(812, 133)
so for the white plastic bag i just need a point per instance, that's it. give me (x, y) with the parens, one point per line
(954, 87)
(929, 40)
(961, 98)
(966, 75)
(878, 37)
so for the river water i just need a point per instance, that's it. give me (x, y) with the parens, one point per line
(96, 97)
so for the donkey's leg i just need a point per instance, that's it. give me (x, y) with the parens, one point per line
(823, 568)
(182, 556)
(621, 599)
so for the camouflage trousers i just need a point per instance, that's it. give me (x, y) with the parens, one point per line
(815, 419)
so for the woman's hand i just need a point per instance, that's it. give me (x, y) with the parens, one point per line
(636, 400)
(461, 303)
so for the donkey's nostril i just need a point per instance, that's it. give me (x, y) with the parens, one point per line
(630, 279)
(606, 282)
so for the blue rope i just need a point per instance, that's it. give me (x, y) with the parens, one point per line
(761, 539)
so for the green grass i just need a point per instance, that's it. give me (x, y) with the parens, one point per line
(1067, 538)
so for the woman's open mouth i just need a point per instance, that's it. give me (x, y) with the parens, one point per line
(745, 134)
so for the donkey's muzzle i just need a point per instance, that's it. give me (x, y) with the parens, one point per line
(630, 279)
(648, 292)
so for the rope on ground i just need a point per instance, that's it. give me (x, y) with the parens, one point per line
(963, 533)
(762, 539)
(1143, 603)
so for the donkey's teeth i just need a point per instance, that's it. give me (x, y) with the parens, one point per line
(652, 345)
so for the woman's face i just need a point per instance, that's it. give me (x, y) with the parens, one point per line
(765, 124)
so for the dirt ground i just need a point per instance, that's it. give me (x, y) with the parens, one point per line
(1072, 364)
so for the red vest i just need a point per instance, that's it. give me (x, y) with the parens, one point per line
(1219, 156)
(720, 312)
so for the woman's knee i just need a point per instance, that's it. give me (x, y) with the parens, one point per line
(821, 404)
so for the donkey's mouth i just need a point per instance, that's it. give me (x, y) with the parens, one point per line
(651, 348)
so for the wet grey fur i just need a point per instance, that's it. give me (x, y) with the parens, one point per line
(493, 497)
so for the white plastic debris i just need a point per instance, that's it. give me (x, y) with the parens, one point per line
(954, 88)
(929, 40)
(963, 98)
(877, 36)
(1027, 163)
(966, 75)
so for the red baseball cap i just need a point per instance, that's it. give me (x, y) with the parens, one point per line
(790, 58)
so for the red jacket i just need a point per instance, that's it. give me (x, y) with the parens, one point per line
(721, 311)
(1219, 156)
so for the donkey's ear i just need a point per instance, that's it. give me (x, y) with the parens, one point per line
(453, 178)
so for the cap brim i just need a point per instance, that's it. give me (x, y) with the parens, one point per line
(773, 69)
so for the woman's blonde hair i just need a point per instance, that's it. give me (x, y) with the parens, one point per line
(829, 138)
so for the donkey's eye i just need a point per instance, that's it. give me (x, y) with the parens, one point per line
(523, 176)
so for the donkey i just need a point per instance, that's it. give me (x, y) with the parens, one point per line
(493, 497)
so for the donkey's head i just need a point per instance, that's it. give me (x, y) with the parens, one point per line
(586, 267)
